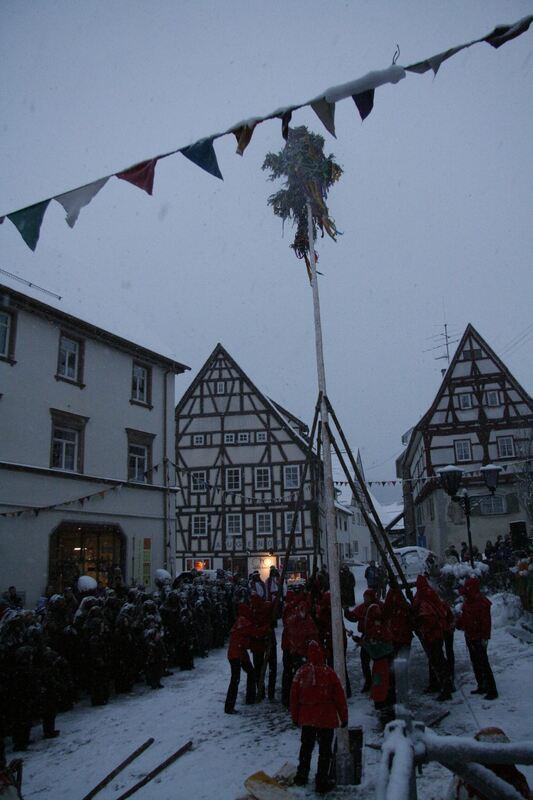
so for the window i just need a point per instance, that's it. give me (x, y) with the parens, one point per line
(229, 438)
(243, 438)
(463, 450)
(493, 504)
(264, 523)
(198, 481)
(288, 522)
(198, 439)
(505, 446)
(471, 355)
(233, 479)
(233, 525)
(141, 384)
(67, 441)
(355, 547)
(262, 477)
(492, 398)
(139, 455)
(7, 335)
(199, 525)
(260, 436)
(465, 400)
(70, 359)
(291, 476)
(221, 387)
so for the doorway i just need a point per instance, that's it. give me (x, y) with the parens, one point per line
(84, 549)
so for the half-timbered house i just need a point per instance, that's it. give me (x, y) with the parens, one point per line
(480, 415)
(240, 458)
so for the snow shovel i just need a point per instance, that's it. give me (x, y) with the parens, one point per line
(262, 787)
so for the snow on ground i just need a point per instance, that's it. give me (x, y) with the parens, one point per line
(227, 749)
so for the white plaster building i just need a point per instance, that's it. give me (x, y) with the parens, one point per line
(86, 449)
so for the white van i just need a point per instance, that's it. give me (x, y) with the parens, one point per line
(413, 561)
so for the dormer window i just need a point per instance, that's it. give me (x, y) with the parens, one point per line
(465, 401)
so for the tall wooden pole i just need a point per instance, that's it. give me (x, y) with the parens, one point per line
(337, 625)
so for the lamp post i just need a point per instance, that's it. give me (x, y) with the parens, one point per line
(451, 477)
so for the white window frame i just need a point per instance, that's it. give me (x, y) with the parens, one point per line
(138, 458)
(231, 484)
(260, 484)
(198, 439)
(457, 445)
(231, 528)
(140, 384)
(492, 393)
(195, 528)
(261, 437)
(229, 438)
(287, 518)
(502, 443)
(465, 401)
(198, 484)
(220, 387)
(64, 370)
(290, 484)
(493, 504)
(5, 327)
(243, 437)
(65, 447)
(260, 518)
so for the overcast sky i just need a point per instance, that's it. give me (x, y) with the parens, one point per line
(435, 202)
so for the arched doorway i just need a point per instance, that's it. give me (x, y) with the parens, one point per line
(81, 548)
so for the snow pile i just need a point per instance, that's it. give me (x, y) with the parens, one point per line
(506, 608)
(464, 570)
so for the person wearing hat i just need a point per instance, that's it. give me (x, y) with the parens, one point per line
(318, 706)
(257, 586)
(475, 621)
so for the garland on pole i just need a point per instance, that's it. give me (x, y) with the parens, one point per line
(28, 220)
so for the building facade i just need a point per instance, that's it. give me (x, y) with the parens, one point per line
(480, 415)
(86, 448)
(240, 460)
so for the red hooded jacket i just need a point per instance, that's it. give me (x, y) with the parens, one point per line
(317, 697)
(474, 619)
(299, 628)
(397, 614)
(364, 613)
(429, 611)
(244, 633)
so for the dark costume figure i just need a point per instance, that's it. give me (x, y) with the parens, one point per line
(318, 706)
(347, 582)
(262, 616)
(475, 621)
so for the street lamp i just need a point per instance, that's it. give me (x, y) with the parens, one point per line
(451, 477)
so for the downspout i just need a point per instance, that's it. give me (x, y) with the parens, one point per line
(167, 560)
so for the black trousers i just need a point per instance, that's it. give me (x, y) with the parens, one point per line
(258, 659)
(236, 665)
(365, 666)
(309, 736)
(477, 650)
(291, 664)
(450, 655)
(438, 664)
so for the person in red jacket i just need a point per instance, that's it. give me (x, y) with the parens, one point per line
(318, 706)
(262, 613)
(298, 630)
(397, 616)
(360, 614)
(475, 621)
(241, 636)
(431, 623)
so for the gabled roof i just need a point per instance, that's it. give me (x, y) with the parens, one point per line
(470, 338)
(279, 412)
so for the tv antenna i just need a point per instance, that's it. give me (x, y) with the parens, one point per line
(31, 285)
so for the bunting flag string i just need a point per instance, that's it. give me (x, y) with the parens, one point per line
(35, 511)
(399, 481)
(28, 220)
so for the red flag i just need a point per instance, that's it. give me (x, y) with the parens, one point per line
(141, 175)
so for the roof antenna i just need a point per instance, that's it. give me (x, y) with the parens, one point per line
(31, 285)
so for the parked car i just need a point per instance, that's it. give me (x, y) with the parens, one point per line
(413, 561)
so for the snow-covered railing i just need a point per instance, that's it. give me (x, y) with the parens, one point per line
(409, 744)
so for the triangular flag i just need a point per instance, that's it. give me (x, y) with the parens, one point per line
(326, 113)
(141, 175)
(75, 200)
(364, 102)
(504, 33)
(28, 222)
(203, 154)
(244, 136)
